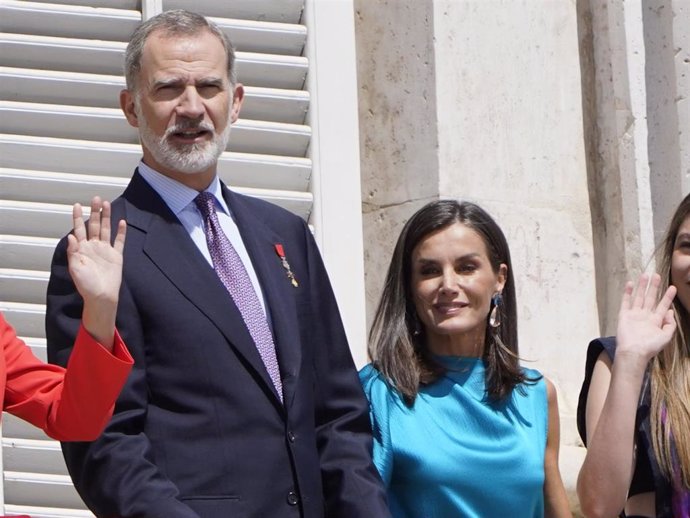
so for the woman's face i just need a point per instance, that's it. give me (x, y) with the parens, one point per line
(452, 285)
(680, 264)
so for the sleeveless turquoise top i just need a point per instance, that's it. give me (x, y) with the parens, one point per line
(455, 453)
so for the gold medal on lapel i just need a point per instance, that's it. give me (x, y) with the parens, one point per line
(283, 260)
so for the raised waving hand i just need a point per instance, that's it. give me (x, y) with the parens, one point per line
(96, 268)
(645, 323)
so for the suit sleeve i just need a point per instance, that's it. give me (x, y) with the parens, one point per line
(115, 475)
(68, 405)
(351, 484)
(380, 400)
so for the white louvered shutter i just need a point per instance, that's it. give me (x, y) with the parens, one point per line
(64, 139)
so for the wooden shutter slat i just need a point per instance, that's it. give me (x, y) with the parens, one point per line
(32, 455)
(27, 319)
(33, 253)
(95, 90)
(133, 5)
(25, 488)
(119, 160)
(106, 57)
(47, 512)
(24, 285)
(89, 123)
(68, 21)
(284, 11)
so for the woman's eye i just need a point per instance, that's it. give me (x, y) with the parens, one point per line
(467, 267)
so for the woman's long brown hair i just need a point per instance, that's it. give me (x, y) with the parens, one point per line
(670, 375)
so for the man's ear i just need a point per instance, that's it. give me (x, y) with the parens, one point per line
(127, 100)
(237, 99)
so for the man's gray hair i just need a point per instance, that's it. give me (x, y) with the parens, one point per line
(173, 23)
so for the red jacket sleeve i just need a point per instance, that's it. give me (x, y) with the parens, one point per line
(72, 404)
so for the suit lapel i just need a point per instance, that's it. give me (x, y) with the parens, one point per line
(279, 293)
(170, 248)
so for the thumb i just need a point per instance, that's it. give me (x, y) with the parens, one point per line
(668, 325)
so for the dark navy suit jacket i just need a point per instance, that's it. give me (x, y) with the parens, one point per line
(198, 431)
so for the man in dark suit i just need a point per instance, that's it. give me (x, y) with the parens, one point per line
(244, 401)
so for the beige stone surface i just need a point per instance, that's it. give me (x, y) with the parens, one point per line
(570, 461)
(398, 134)
(667, 53)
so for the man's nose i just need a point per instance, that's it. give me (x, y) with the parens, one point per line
(190, 105)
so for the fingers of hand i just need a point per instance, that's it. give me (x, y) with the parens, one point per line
(650, 298)
(664, 305)
(78, 223)
(72, 244)
(105, 222)
(95, 218)
(646, 294)
(627, 295)
(638, 300)
(669, 322)
(119, 244)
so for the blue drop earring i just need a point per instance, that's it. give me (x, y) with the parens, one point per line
(494, 315)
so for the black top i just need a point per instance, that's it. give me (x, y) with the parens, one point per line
(647, 475)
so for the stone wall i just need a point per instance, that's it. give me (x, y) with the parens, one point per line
(398, 124)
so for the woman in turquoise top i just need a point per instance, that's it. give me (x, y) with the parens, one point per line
(460, 429)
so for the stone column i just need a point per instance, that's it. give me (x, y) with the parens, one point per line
(681, 54)
(666, 34)
(398, 124)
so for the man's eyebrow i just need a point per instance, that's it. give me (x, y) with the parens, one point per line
(210, 81)
(166, 82)
(174, 81)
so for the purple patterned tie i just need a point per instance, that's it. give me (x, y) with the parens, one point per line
(234, 277)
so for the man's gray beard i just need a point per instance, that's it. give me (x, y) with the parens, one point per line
(189, 158)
